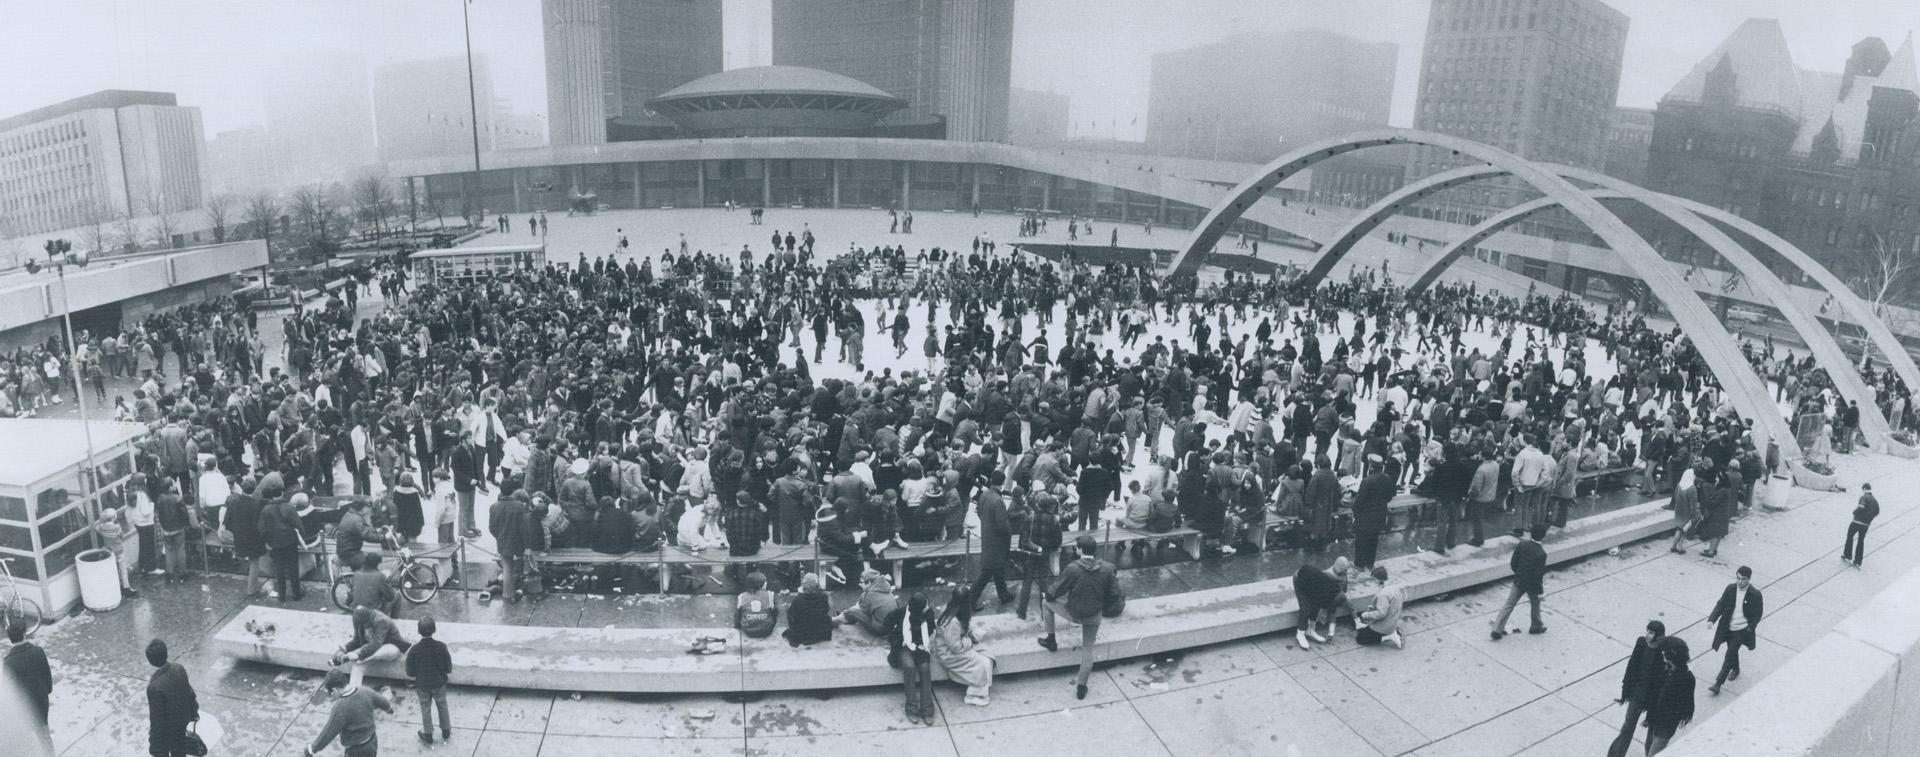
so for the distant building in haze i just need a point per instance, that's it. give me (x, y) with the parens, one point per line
(951, 60)
(421, 108)
(93, 158)
(319, 111)
(1828, 160)
(1252, 97)
(1628, 134)
(606, 58)
(240, 162)
(1037, 118)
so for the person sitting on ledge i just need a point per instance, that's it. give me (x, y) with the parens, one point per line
(754, 612)
(877, 601)
(809, 618)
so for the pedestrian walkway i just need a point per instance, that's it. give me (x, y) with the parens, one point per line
(1451, 691)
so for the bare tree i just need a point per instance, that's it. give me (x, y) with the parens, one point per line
(162, 226)
(260, 214)
(1887, 282)
(372, 202)
(10, 239)
(219, 209)
(99, 229)
(316, 211)
(127, 231)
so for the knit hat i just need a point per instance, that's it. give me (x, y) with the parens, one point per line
(579, 466)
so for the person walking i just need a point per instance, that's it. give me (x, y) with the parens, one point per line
(1716, 515)
(1686, 510)
(1381, 623)
(352, 718)
(996, 544)
(1529, 563)
(1854, 549)
(1738, 616)
(1672, 704)
(1646, 668)
(428, 664)
(171, 704)
(1082, 593)
(28, 672)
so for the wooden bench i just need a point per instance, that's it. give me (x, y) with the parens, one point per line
(1404, 503)
(1611, 478)
(668, 555)
(656, 660)
(1190, 541)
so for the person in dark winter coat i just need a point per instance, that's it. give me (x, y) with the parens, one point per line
(1529, 564)
(1641, 684)
(1319, 591)
(996, 541)
(1672, 706)
(171, 704)
(26, 668)
(1738, 615)
(1716, 513)
(1855, 548)
(809, 618)
(1370, 513)
(429, 664)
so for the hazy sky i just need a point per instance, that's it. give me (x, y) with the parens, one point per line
(212, 52)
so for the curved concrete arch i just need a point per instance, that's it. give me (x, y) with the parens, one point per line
(1856, 308)
(1766, 284)
(1717, 347)
(1385, 208)
(1478, 234)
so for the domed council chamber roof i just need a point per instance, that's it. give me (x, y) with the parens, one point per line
(774, 101)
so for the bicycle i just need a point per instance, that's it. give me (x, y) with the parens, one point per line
(417, 582)
(16, 607)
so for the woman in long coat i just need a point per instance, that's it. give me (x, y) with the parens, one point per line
(1686, 507)
(956, 649)
(1322, 500)
(1716, 512)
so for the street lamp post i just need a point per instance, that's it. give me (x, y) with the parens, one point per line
(60, 255)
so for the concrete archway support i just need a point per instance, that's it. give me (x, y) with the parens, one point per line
(1745, 390)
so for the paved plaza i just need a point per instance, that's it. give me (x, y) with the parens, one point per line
(1450, 692)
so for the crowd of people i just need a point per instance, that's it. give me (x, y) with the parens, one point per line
(613, 407)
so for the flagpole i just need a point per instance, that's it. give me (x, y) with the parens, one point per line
(473, 104)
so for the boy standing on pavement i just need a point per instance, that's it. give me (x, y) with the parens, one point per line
(428, 664)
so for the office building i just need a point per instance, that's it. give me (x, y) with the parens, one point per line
(1538, 80)
(1037, 118)
(1828, 160)
(92, 158)
(421, 108)
(1287, 89)
(606, 58)
(950, 60)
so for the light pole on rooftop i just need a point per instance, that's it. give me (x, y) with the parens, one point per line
(59, 255)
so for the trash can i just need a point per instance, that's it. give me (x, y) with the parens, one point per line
(99, 580)
(1773, 495)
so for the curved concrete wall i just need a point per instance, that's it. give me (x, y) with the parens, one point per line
(1855, 691)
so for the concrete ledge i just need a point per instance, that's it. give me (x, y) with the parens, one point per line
(1845, 694)
(656, 659)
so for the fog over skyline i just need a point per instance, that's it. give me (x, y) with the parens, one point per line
(1099, 52)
